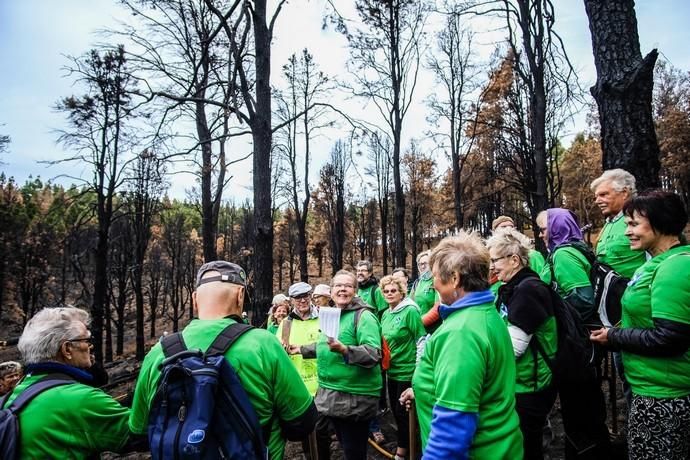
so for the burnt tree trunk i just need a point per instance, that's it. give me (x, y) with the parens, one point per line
(623, 91)
(262, 136)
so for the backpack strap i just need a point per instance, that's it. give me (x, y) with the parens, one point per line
(46, 383)
(226, 338)
(173, 344)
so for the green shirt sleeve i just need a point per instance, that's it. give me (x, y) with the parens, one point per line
(671, 290)
(147, 381)
(459, 373)
(291, 395)
(414, 323)
(369, 330)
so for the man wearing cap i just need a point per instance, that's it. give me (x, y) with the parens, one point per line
(281, 401)
(300, 328)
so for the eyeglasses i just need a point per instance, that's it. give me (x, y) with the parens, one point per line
(542, 229)
(493, 261)
(390, 291)
(299, 298)
(88, 340)
(345, 286)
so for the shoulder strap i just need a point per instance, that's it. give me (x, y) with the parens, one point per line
(358, 315)
(537, 344)
(227, 337)
(49, 381)
(173, 344)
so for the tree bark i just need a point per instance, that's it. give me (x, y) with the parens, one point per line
(263, 137)
(623, 91)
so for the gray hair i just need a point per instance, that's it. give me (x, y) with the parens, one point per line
(464, 255)
(509, 241)
(347, 273)
(365, 263)
(48, 330)
(620, 180)
(426, 253)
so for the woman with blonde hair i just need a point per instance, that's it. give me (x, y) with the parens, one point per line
(401, 327)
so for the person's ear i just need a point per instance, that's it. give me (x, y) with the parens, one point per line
(240, 297)
(194, 305)
(66, 350)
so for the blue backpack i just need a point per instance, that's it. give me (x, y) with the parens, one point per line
(200, 410)
(9, 423)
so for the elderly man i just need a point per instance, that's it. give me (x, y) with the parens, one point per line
(300, 328)
(368, 287)
(611, 190)
(282, 403)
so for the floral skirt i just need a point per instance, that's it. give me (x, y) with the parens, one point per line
(659, 428)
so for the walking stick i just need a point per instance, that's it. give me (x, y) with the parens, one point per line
(412, 426)
(313, 450)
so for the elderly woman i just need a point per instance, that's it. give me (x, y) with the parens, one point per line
(524, 302)
(10, 373)
(567, 269)
(464, 383)
(280, 308)
(73, 420)
(654, 336)
(401, 327)
(568, 264)
(348, 368)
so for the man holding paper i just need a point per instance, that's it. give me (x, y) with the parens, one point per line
(348, 366)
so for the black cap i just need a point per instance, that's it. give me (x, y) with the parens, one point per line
(229, 273)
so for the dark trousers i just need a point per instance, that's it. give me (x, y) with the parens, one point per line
(533, 408)
(584, 420)
(323, 439)
(395, 388)
(353, 436)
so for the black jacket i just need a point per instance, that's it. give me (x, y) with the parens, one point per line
(666, 339)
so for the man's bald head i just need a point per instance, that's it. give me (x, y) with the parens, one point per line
(217, 299)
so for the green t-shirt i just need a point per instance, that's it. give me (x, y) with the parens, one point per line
(423, 292)
(303, 333)
(468, 365)
(373, 297)
(402, 327)
(613, 248)
(274, 387)
(536, 261)
(659, 289)
(334, 372)
(71, 421)
(570, 267)
(273, 328)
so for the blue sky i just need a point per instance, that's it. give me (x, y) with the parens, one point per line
(35, 36)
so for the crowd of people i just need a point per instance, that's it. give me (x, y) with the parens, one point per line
(470, 344)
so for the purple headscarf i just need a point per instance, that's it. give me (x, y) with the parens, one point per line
(562, 227)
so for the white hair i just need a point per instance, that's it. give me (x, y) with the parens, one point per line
(620, 180)
(48, 330)
(509, 241)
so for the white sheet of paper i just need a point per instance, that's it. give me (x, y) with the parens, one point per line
(329, 321)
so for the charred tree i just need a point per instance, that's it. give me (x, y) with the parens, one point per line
(623, 91)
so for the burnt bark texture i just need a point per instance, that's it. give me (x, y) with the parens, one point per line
(623, 91)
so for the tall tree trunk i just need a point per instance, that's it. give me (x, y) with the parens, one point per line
(623, 91)
(100, 288)
(263, 137)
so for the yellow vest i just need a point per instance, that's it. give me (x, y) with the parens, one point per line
(303, 333)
